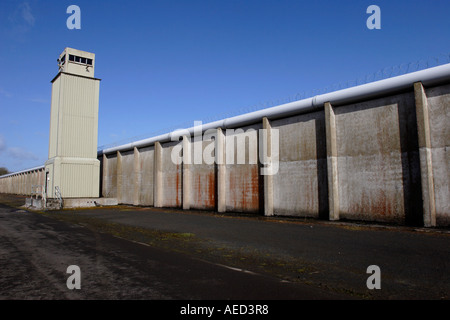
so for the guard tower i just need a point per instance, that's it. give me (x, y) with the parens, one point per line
(72, 169)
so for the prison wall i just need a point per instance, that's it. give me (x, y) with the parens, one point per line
(24, 182)
(382, 159)
(358, 161)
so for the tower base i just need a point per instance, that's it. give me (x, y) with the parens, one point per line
(73, 177)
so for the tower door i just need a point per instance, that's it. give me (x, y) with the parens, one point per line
(46, 182)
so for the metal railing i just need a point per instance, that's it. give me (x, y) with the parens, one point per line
(58, 195)
(38, 190)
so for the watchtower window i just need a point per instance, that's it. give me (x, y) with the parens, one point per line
(80, 59)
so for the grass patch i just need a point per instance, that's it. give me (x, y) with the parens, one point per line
(156, 238)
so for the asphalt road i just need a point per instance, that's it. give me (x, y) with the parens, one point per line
(414, 262)
(35, 252)
(147, 253)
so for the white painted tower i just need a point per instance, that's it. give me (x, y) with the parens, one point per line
(72, 166)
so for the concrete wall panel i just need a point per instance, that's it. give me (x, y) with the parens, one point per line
(202, 178)
(172, 178)
(439, 111)
(243, 181)
(111, 178)
(127, 180)
(147, 156)
(300, 186)
(376, 161)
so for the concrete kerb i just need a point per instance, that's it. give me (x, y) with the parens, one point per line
(75, 203)
(352, 225)
(347, 224)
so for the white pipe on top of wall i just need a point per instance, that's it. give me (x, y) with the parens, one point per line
(428, 77)
(22, 171)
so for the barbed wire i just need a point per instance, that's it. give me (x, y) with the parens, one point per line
(385, 73)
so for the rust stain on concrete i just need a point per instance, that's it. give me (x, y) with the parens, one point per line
(250, 190)
(177, 186)
(211, 190)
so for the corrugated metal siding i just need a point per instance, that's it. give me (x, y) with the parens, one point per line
(54, 118)
(76, 179)
(78, 117)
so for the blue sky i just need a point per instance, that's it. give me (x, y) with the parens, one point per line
(167, 63)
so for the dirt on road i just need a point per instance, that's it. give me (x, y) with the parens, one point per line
(330, 257)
